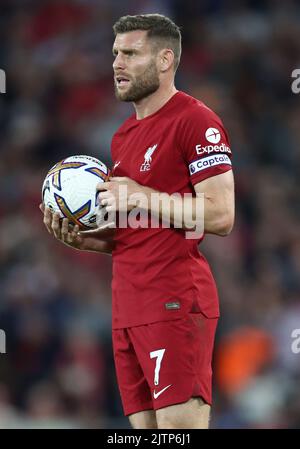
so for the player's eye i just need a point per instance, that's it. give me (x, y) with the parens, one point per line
(129, 53)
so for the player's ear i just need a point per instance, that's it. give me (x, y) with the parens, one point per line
(165, 59)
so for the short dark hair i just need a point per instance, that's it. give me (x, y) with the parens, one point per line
(162, 30)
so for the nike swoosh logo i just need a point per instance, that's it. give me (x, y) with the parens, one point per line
(155, 395)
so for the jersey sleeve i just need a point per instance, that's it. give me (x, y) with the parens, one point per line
(204, 144)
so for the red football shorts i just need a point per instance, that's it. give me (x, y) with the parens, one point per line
(164, 363)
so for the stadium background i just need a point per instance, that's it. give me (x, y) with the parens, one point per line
(238, 57)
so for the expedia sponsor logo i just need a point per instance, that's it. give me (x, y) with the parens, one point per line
(208, 162)
(213, 149)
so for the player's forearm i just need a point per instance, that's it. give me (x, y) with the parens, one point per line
(98, 246)
(196, 214)
(218, 217)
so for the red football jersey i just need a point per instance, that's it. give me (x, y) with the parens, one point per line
(159, 274)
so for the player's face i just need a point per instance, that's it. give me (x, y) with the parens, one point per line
(135, 70)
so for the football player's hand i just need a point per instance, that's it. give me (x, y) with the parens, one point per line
(71, 235)
(121, 194)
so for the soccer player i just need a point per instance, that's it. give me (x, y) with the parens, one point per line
(164, 298)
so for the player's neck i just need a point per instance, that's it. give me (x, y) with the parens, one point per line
(151, 104)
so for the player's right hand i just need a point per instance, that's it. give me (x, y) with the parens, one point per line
(71, 235)
(60, 229)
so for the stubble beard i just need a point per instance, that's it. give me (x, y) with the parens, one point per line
(141, 87)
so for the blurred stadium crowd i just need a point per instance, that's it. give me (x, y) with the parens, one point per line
(238, 57)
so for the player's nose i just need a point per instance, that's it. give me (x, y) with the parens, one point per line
(118, 63)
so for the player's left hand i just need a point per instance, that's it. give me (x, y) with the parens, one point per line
(121, 194)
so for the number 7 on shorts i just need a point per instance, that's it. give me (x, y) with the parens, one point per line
(158, 355)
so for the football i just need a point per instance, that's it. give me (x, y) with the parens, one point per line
(70, 189)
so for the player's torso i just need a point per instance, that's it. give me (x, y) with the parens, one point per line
(153, 267)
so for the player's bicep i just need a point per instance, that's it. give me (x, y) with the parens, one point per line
(218, 192)
(219, 186)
